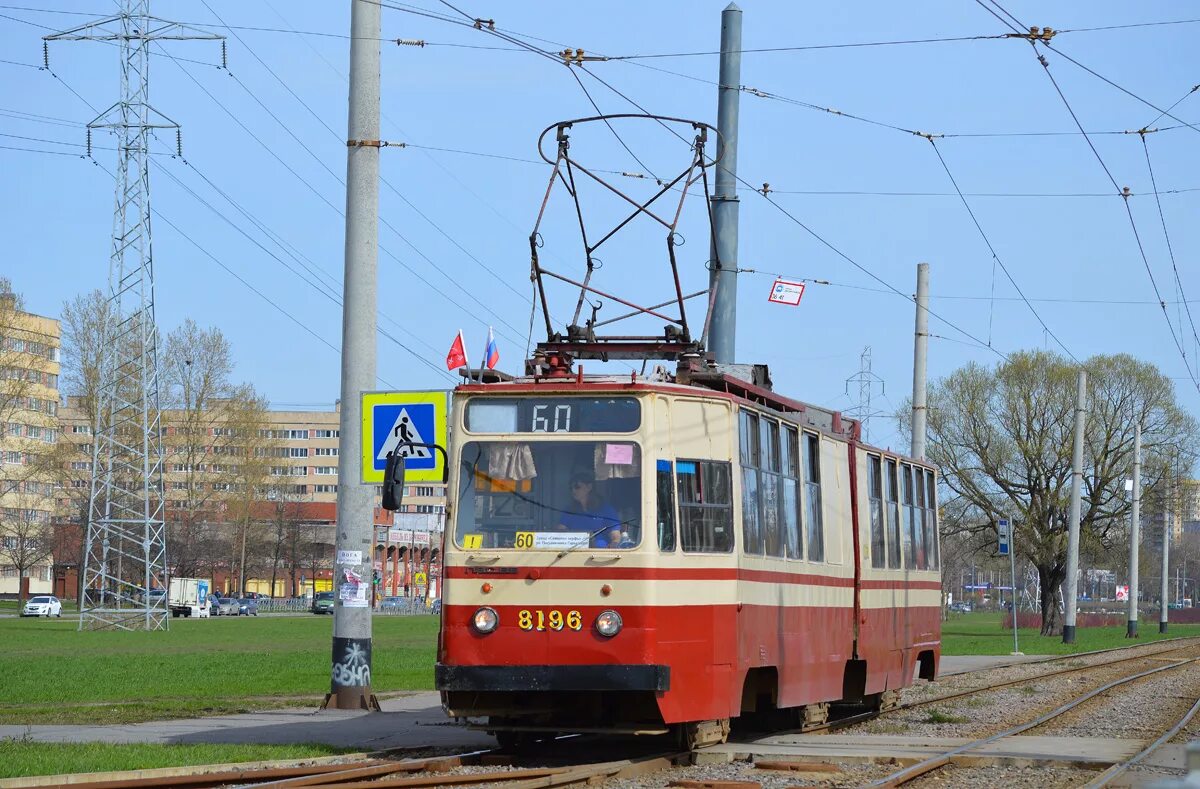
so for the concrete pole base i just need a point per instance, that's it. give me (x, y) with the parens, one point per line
(357, 698)
(1068, 634)
(1162, 627)
(1131, 629)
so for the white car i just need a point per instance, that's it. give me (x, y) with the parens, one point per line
(42, 605)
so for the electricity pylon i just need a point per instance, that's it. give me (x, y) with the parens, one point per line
(125, 558)
(866, 381)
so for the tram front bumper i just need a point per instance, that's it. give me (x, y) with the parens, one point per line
(605, 677)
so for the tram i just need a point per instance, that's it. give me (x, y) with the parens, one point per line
(654, 556)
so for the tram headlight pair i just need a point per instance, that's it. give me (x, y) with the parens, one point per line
(485, 620)
(608, 624)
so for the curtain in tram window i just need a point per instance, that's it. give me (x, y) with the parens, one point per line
(511, 461)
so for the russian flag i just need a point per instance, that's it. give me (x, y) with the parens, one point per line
(492, 354)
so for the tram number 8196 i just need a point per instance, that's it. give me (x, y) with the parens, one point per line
(549, 620)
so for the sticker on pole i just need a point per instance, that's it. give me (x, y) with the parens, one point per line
(786, 292)
(390, 420)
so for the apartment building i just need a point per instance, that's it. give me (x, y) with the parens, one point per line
(29, 370)
(297, 454)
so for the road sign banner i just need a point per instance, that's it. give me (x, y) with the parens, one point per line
(786, 292)
(389, 419)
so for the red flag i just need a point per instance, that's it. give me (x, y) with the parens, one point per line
(458, 353)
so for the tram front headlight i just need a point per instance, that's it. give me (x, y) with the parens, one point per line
(608, 624)
(485, 620)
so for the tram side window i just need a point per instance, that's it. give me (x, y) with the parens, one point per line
(705, 506)
(907, 527)
(931, 529)
(921, 521)
(875, 494)
(771, 484)
(904, 512)
(898, 533)
(752, 536)
(812, 490)
(666, 506)
(791, 492)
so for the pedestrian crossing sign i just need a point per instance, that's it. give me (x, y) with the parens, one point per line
(390, 420)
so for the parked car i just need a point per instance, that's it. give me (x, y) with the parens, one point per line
(393, 604)
(322, 603)
(247, 607)
(255, 596)
(225, 606)
(42, 605)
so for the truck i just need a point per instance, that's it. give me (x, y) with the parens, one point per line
(188, 597)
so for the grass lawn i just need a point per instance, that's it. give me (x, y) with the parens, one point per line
(54, 674)
(980, 634)
(20, 758)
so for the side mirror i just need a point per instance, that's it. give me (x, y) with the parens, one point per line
(393, 481)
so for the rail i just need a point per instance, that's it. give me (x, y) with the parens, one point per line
(925, 766)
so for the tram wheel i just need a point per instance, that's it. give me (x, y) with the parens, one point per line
(700, 734)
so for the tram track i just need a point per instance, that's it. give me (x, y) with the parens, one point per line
(948, 758)
(492, 767)
(864, 717)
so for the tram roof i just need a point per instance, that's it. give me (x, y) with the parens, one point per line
(745, 384)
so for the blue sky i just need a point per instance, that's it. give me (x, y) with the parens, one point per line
(456, 252)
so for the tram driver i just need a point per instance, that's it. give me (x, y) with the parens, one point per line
(587, 512)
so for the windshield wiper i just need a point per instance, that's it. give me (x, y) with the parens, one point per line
(588, 541)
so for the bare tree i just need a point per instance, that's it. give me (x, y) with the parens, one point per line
(26, 537)
(28, 434)
(196, 367)
(256, 447)
(284, 526)
(1003, 440)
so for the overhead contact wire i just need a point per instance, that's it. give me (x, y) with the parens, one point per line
(995, 256)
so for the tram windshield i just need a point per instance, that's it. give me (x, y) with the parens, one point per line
(550, 495)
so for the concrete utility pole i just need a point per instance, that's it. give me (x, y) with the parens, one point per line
(723, 276)
(1073, 526)
(1131, 629)
(350, 686)
(1168, 521)
(920, 353)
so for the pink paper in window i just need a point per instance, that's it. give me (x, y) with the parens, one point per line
(618, 454)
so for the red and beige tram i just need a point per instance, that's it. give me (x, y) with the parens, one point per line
(625, 554)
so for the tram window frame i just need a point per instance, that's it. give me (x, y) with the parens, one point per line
(791, 501)
(922, 519)
(815, 522)
(770, 485)
(933, 549)
(895, 525)
(750, 452)
(906, 516)
(879, 546)
(666, 519)
(712, 512)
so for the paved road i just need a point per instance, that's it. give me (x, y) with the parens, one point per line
(411, 721)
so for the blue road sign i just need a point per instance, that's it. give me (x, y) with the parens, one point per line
(395, 424)
(1003, 529)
